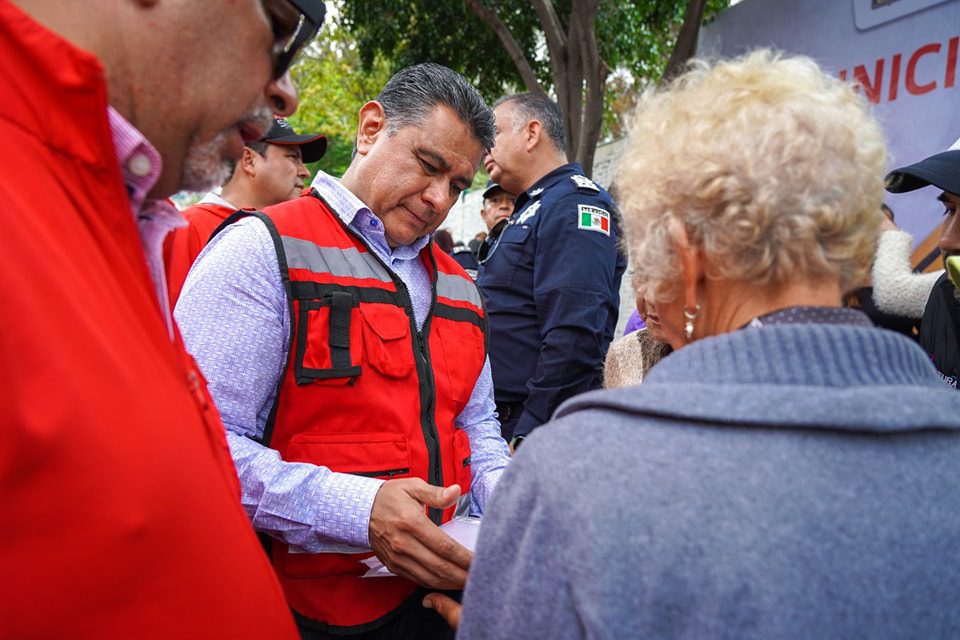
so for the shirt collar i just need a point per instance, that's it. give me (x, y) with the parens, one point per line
(547, 181)
(811, 315)
(217, 199)
(140, 162)
(358, 216)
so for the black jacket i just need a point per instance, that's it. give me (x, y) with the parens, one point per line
(939, 328)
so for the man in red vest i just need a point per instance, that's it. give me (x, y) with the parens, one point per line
(347, 356)
(119, 500)
(270, 171)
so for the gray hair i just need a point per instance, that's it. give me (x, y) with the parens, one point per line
(537, 106)
(413, 92)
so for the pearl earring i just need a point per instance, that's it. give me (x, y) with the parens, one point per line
(690, 316)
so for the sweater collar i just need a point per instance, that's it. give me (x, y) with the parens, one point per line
(821, 376)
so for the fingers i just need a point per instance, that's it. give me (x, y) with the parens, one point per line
(408, 543)
(419, 562)
(448, 608)
(437, 497)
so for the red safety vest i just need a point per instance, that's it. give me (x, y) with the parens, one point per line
(365, 393)
(183, 245)
(119, 501)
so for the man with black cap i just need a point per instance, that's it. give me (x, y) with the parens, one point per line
(497, 206)
(941, 318)
(269, 172)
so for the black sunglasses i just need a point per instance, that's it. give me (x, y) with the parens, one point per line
(295, 24)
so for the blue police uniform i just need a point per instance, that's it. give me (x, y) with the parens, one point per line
(551, 283)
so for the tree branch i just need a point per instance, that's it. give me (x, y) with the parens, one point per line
(595, 73)
(552, 28)
(686, 46)
(509, 43)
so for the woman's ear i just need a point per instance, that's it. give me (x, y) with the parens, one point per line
(691, 263)
(372, 122)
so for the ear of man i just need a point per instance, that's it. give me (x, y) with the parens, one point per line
(372, 122)
(533, 134)
(250, 161)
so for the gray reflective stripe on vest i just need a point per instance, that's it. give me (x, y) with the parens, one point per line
(457, 288)
(343, 263)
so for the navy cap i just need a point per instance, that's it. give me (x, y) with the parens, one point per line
(312, 146)
(941, 170)
(491, 187)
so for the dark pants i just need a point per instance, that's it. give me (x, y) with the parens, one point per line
(413, 623)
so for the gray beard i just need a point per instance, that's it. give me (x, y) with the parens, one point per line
(204, 167)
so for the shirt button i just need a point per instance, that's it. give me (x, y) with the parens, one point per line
(373, 223)
(140, 165)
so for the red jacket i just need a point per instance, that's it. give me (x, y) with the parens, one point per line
(365, 392)
(119, 501)
(182, 247)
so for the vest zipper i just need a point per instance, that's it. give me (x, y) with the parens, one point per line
(428, 392)
(425, 381)
(376, 474)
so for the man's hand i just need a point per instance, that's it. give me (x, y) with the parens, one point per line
(408, 543)
(448, 608)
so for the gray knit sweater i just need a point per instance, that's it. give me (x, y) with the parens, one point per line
(792, 481)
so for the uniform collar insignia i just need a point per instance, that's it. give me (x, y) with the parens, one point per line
(583, 182)
(529, 212)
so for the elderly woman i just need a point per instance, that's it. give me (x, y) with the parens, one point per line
(790, 471)
(631, 356)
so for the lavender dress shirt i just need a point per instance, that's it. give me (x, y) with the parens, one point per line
(233, 316)
(141, 165)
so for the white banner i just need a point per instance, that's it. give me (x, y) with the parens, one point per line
(903, 53)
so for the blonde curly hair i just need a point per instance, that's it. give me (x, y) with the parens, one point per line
(774, 168)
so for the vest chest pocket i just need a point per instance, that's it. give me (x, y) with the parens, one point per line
(329, 340)
(386, 337)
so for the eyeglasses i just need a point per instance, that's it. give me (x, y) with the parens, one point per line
(295, 23)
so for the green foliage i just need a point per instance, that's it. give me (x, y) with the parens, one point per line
(635, 37)
(332, 89)
(446, 32)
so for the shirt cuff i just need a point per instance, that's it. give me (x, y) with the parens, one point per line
(346, 510)
(482, 490)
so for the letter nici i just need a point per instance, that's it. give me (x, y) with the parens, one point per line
(928, 68)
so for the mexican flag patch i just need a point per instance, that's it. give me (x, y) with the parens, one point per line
(593, 219)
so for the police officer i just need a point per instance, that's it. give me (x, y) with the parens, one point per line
(551, 279)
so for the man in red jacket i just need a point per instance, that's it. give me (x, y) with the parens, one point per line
(119, 499)
(270, 171)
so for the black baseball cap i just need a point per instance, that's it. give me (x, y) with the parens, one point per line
(312, 145)
(491, 187)
(941, 170)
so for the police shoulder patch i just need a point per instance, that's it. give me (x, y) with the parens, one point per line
(583, 182)
(592, 218)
